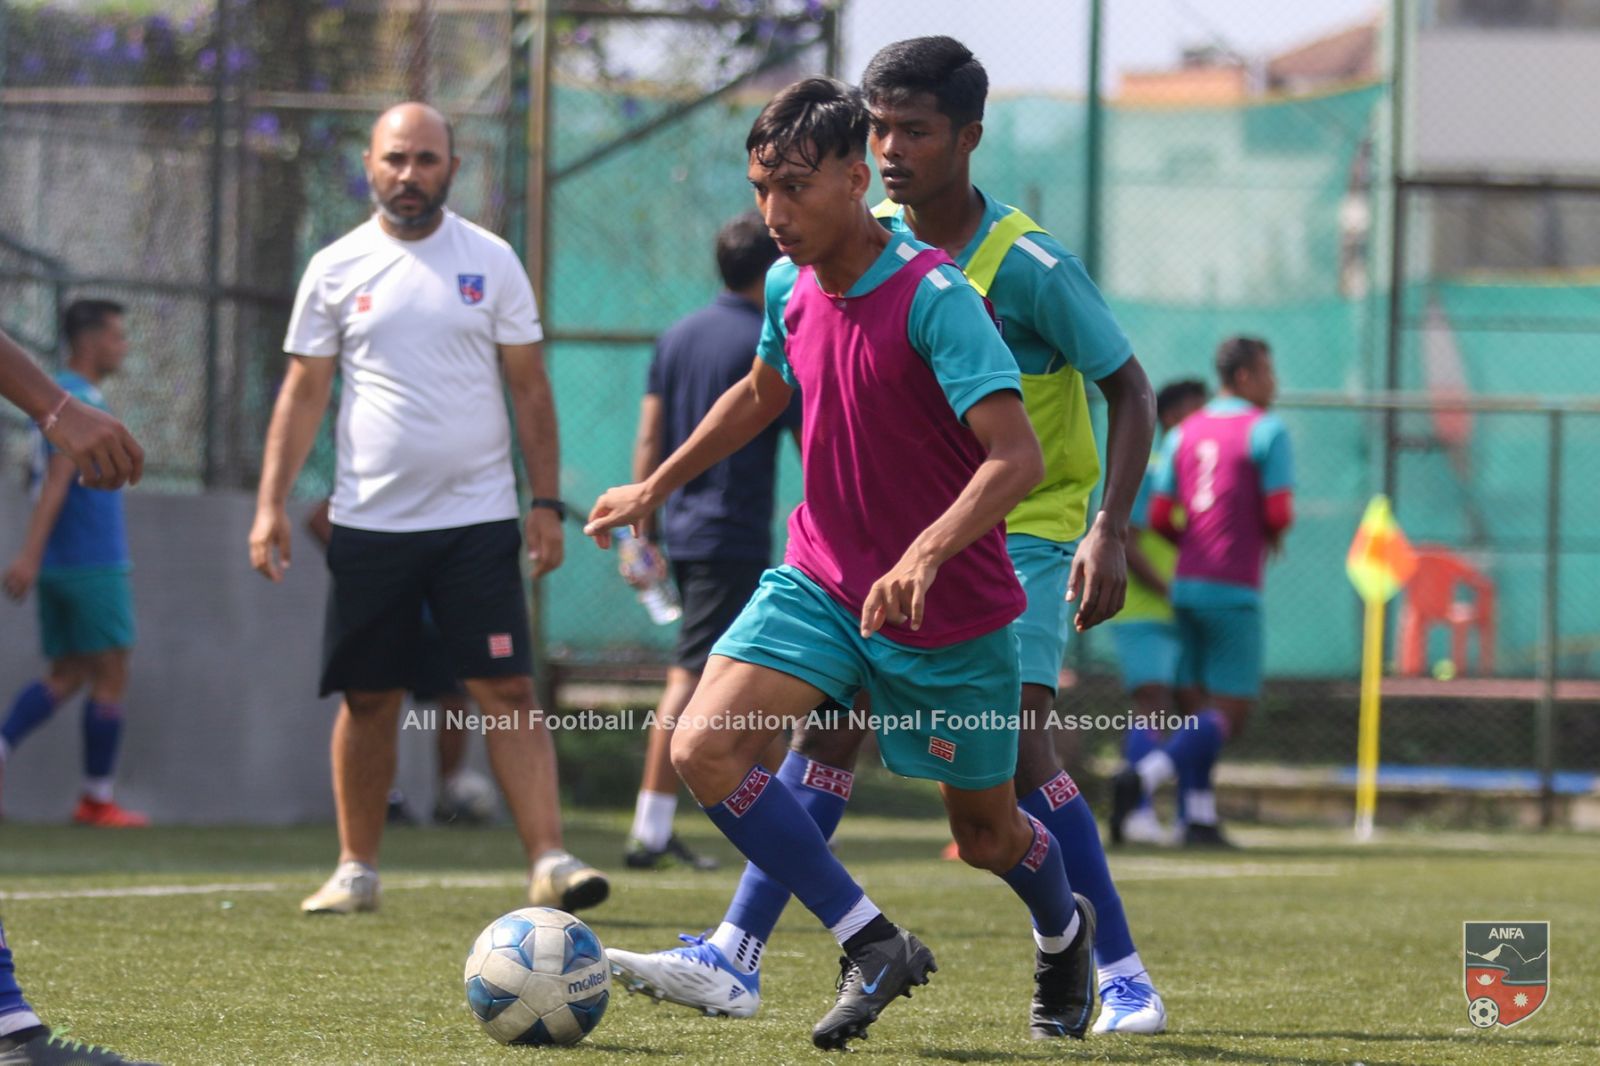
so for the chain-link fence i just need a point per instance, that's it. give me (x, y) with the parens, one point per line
(1221, 167)
(186, 158)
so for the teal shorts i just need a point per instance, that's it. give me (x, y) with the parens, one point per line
(85, 611)
(946, 714)
(1221, 649)
(1043, 567)
(1147, 652)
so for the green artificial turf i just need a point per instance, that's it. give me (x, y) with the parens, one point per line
(1301, 948)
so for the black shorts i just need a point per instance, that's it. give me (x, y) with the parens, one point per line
(469, 579)
(713, 593)
(435, 672)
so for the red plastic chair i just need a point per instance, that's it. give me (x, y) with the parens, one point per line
(1430, 599)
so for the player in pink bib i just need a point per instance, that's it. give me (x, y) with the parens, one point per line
(1229, 467)
(915, 445)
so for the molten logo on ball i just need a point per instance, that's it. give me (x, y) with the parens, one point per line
(1507, 970)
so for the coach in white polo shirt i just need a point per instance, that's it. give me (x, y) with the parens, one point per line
(426, 316)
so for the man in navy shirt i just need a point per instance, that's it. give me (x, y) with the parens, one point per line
(76, 556)
(717, 529)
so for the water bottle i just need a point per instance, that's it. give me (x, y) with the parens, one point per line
(641, 565)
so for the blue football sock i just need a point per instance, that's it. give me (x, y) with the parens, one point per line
(1040, 881)
(1136, 744)
(768, 825)
(102, 735)
(31, 707)
(12, 1005)
(1194, 748)
(1064, 811)
(823, 791)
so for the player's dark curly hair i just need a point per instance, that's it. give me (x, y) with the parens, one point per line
(808, 122)
(1238, 354)
(1176, 393)
(942, 66)
(744, 251)
(84, 316)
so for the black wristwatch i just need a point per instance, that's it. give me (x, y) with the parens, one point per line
(552, 504)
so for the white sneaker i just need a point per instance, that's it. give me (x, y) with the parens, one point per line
(566, 883)
(353, 887)
(1143, 826)
(1131, 1005)
(697, 975)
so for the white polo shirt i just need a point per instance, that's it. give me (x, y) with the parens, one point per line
(424, 439)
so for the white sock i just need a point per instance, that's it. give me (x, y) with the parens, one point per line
(17, 1021)
(1127, 966)
(1055, 945)
(544, 863)
(98, 789)
(352, 868)
(855, 921)
(1155, 770)
(652, 818)
(1200, 807)
(742, 949)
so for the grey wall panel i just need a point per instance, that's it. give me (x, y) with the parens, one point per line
(223, 720)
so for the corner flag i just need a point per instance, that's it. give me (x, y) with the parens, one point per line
(1379, 563)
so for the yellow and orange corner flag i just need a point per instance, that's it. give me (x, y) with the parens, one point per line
(1380, 562)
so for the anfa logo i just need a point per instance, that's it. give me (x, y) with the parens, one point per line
(1507, 970)
(471, 286)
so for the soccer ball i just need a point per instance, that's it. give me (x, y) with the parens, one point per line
(538, 976)
(1483, 1012)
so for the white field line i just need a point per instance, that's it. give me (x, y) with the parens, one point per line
(222, 888)
(1126, 870)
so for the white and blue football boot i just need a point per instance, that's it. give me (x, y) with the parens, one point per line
(697, 975)
(1131, 1005)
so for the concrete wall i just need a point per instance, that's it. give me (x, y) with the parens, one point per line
(223, 720)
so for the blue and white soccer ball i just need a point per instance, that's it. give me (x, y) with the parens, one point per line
(538, 976)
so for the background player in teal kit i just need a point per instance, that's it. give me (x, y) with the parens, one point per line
(76, 559)
(1144, 634)
(926, 97)
(894, 584)
(1230, 468)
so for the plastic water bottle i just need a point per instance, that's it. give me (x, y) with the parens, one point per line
(641, 565)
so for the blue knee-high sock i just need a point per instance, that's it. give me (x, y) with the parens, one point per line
(1136, 744)
(102, 735)
(768, 825)
(1063, 810)
(1040, 881)
(15, 1013)
(823, 791)
(1194, 748)
(31, 707)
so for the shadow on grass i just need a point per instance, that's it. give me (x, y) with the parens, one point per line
(1180, 1050)
(1474, 1038)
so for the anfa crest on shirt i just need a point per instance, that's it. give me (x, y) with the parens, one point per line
(1507, 971)
(471, 288)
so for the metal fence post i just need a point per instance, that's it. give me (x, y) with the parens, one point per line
(1398, 207)
(219, 136)
(536, 250)
(1095, 163)
(1544, 723)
